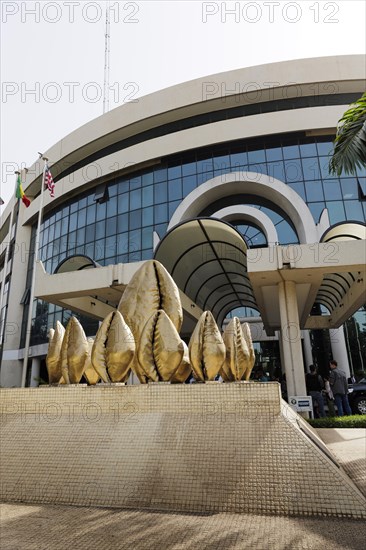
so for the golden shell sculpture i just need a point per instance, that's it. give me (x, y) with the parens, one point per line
(248, 338)
(185, 368)
(90, 374)
(53, 359)
(237, 360)
(160, 349)
(74, 351)
(151, 288)
(113, 349)
(206, 348)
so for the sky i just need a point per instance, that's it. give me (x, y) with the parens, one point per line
(52, 56)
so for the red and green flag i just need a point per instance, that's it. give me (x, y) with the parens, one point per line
(19, 193)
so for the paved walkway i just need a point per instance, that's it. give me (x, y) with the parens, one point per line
(45, 527)
(26, 527)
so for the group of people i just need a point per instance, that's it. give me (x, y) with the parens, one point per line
(333, 389)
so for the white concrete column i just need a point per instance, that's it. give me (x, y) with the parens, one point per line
(339, 349)
(35, 372)
(307, 350)
(291, 339)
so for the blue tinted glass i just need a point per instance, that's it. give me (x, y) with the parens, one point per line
(101, 211)
(124, 186)
(174, 172)
(148, 196)
(325, 148)
(310, 168)
(161, 229)
(354, 210)
(274, 154)
(160, 192)
(255, 157)
(291, 152)
(258, 169)
(276, 170)
(135, 219)
(364, 209)
(90, 214)
(58, 215)
(286, 235)
(71, 243)
(148, 179)
(238, 159)
(172, 207)
(324, 168)
(73, 207)
(135, 199)
(299, 188)
(146, 254)
(308, 150)
(362, 182)
(123, 203)
(57, 230)
(90, 199)
(81, 217)
(90, 233)
(220, 163)
(293, 170)
(349, 188)
(80, 236)
(332, 190)
(161, 213)
(314, 191)
(148, 216)
(316, 208)
(99, 250)
(134, 243)
(51, 230)
(336, 212)
(201, 178)
(175, 189)
(110, 246)
(189, 183)
(82, 202)
(189, 168)
(203, 165)
(135, 182)
(111, 226)
(122, 223)
(100, 230)
(113, 190)
(160, 174)
(112, 207)
(72, 223)
(147, 237)
(122, 243)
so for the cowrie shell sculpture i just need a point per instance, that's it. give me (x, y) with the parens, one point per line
(53, 359)
(237, 360)
(74, 351)
(113, 349)
(248, 337)
(160, 350)
(91, 375)
(185, 368)
(206, 348)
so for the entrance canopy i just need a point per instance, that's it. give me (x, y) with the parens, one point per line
(207, 258)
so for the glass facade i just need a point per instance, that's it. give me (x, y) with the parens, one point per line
(119, 228)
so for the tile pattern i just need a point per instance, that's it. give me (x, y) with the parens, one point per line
(194, 448)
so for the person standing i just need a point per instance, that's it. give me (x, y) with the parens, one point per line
(314, 386)
(338, 383)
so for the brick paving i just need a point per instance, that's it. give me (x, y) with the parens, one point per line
(46, 527)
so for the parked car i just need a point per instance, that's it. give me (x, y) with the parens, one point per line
(357, 397)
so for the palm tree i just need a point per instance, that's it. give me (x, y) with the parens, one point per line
(350, 142)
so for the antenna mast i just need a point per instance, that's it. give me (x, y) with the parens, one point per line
(106, 59)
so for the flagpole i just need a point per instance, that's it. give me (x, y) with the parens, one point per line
(2, 290)
(33, 283)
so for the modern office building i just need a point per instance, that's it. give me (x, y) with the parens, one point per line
(224, 180)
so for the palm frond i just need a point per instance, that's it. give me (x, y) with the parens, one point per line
(350, 142)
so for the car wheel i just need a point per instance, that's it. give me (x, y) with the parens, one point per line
(359, 405)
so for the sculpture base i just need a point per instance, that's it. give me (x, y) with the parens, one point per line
(198, 448)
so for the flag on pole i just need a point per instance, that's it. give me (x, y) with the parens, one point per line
(48, 181)
(19, 193)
